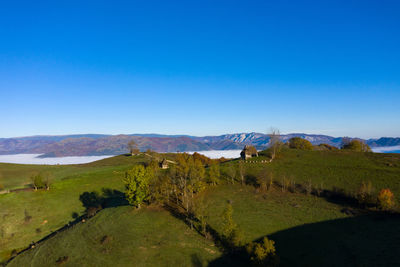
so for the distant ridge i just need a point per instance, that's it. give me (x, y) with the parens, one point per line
(102, 144)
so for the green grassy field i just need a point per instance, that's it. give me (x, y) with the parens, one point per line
(308, 230)
(50, 210)
(15, 176)
(298, 223)
(124, 237)
(329, 169)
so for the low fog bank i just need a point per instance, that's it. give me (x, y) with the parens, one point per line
(216, 154)
(33, 159)
(386, 149)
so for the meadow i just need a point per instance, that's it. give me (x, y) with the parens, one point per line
(299, 223)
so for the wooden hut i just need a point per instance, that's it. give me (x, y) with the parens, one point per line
(248, 152)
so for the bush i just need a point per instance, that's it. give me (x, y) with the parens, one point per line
(14, 253)
(300, 143)
(1, 187)
(385, 199)
(62, 260)
(326, 147)
(264, 253)
(364, 193)
(356, 145)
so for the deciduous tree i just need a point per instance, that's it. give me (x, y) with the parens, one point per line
(231, 233)
(137, 185)
(300, 143)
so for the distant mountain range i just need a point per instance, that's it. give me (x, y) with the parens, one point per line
(99, 144)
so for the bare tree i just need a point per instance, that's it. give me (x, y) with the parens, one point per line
(345, 142)
(231, 173)
(133, 149)
(275, 143)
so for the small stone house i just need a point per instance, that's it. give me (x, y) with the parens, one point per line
(248, 152)
(164, 164)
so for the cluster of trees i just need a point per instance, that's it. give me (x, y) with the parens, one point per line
(300, 143)
(355, 145)
(180, 183)
(347, 144)
(41, 181)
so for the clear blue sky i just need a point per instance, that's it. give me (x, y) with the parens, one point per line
(200, 67)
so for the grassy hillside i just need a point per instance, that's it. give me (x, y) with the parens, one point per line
(298, 222)
(124, 237)
(308, 230)
(329, 169)
(50, 210)
(14, 176)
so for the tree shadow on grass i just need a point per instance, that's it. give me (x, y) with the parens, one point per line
(368, 240)
(93, 202)
(106, 199)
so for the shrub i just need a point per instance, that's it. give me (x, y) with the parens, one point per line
(327, 147)
(264, 253)
(1, 187)
(91, 211)
(14, 253)
(300, 143)
(364, 193)
(385, 199)
(62, 260)
(308, 187)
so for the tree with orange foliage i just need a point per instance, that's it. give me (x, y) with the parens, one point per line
(385, 199)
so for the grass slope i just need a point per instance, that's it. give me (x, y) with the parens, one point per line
(123, 236)
(258, 215)
(308, 231)
(50, 210)
(329, 169)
